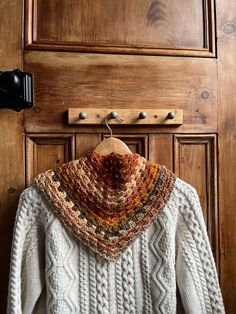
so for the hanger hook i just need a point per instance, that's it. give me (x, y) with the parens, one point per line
(112, 115)
(119, 118)
(108, 125)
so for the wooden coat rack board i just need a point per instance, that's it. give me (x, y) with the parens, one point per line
(128, 116)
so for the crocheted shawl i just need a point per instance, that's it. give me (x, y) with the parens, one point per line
(107, 200)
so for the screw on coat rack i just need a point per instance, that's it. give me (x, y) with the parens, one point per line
(114, 115)
(171, 115)
(142, 115)
(82, 115)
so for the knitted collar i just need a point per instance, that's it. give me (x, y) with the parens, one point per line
(107, 200)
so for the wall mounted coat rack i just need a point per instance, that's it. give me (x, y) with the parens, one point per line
(126, 116)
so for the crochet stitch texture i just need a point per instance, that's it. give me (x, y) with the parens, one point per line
(111, 234)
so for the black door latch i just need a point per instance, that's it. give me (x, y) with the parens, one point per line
(16, 90)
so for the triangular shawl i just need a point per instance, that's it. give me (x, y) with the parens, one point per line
(107, 200)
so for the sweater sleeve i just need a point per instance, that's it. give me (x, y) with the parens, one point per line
(196, 273)
(26, 278)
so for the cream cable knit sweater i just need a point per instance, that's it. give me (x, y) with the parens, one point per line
(168, 269)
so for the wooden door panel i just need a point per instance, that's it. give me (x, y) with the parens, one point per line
(69, 80)
(86, 142)
(195, 162)
(161, 149)
(126, 69)
(134, 26)
(46, 151)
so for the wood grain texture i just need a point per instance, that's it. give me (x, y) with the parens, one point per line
(226, 32)
(86, 142)
(69, 80)
(161, 149)
(47, 151)
(11, 139)
(134, 26)
(195, 162)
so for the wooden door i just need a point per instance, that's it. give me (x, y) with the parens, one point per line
(125, 54)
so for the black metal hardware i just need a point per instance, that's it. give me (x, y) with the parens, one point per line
(16, 90)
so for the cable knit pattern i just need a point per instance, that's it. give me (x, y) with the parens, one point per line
(58, 264)
(157, 279)
(194, 222)
(54, 269)
(119, 291)
(102, 286)
(83, 262)
(128, 282)
(146, 275)
(163, 273)
(92, 282)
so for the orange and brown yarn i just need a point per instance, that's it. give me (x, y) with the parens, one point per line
(107, 200)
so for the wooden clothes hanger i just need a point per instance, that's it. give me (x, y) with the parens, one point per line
(112, 144)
